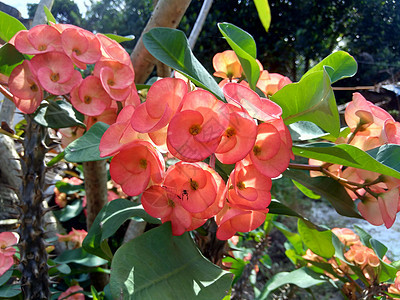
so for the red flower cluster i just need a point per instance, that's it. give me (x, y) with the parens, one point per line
(194, 125)
(58, 51)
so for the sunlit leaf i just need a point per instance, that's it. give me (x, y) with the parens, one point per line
(9, 26)
(264, 13)
(49, 15)
(311, 99)
(245, 48)
(171, 47)
(340, 65)
(119, 38)
(157, 265)
(320, 242)
(386, 161)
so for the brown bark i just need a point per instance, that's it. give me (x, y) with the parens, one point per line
(95, 173)
(167, 13)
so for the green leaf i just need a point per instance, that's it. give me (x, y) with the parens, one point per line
(292, 237)
(278, 208)
(364, 236)
(57, 114)
(339, 248)
(9, 59)
(303, 131)
(120, 39)
(9, 26)
(379, 248)
(328, 188)
(70, 211)
(49, 16)
(5, 277)
(81, 257)
(65, 187)
(264, 13)
(236, 266)
(157, 265)
(107, 222)
(245, 48)
(341, 65)
(86, 148)
(320, 242)
(309, 193)
(9, 290)
(302, 277)
(311, 99)
(56, 159)
(171, 47)
(351, 156)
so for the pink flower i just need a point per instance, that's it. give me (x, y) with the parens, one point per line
(163, 100)
(136, 166)
(109, 117)
(247, 188)
(272, 152)
(227, 65)
(75, 236)
(55, 72)
(81, 46)
(238, 139)
(90, 98)
(270, 83)
(231, 220)
(163, 203)
(110, 49)
(38, 40)
(68, 135)
(195, 131)
(194, 185)
(7, 240)
(71, 290)
(245, 98)
(116, 78)
(25, 87)
(369, 117)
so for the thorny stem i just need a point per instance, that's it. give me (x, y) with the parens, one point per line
(353, 134)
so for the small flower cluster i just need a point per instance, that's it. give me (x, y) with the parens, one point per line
(7, 251)
(357, 256)
(59, 50)
(371, 127)
(193, 125)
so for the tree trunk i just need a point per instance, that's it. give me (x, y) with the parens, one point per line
(194, 34)
(167, 13)
(40, 16)
(95, 173)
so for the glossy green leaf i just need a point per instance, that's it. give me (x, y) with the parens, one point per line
(157, 265)
(379, 248)
(171, 47)
(70, 211)
(107, 222)
(236, 266)
(9, 59)
(386, 161)
(278, 208)
(57, 114)
(293, 238)
(119, 38)
(245, 48)
(5, 277)
(264, 13)
(65, 187)
(365, 237)
(309, 193)
(86, 148)
(328, 188)
(320, 242)
(9, 290)
(311, 99)
(9, 26)
(340, 65)
(49, 16)
(303, 131)
(303, 277)
(79, 256)
(321, 267)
